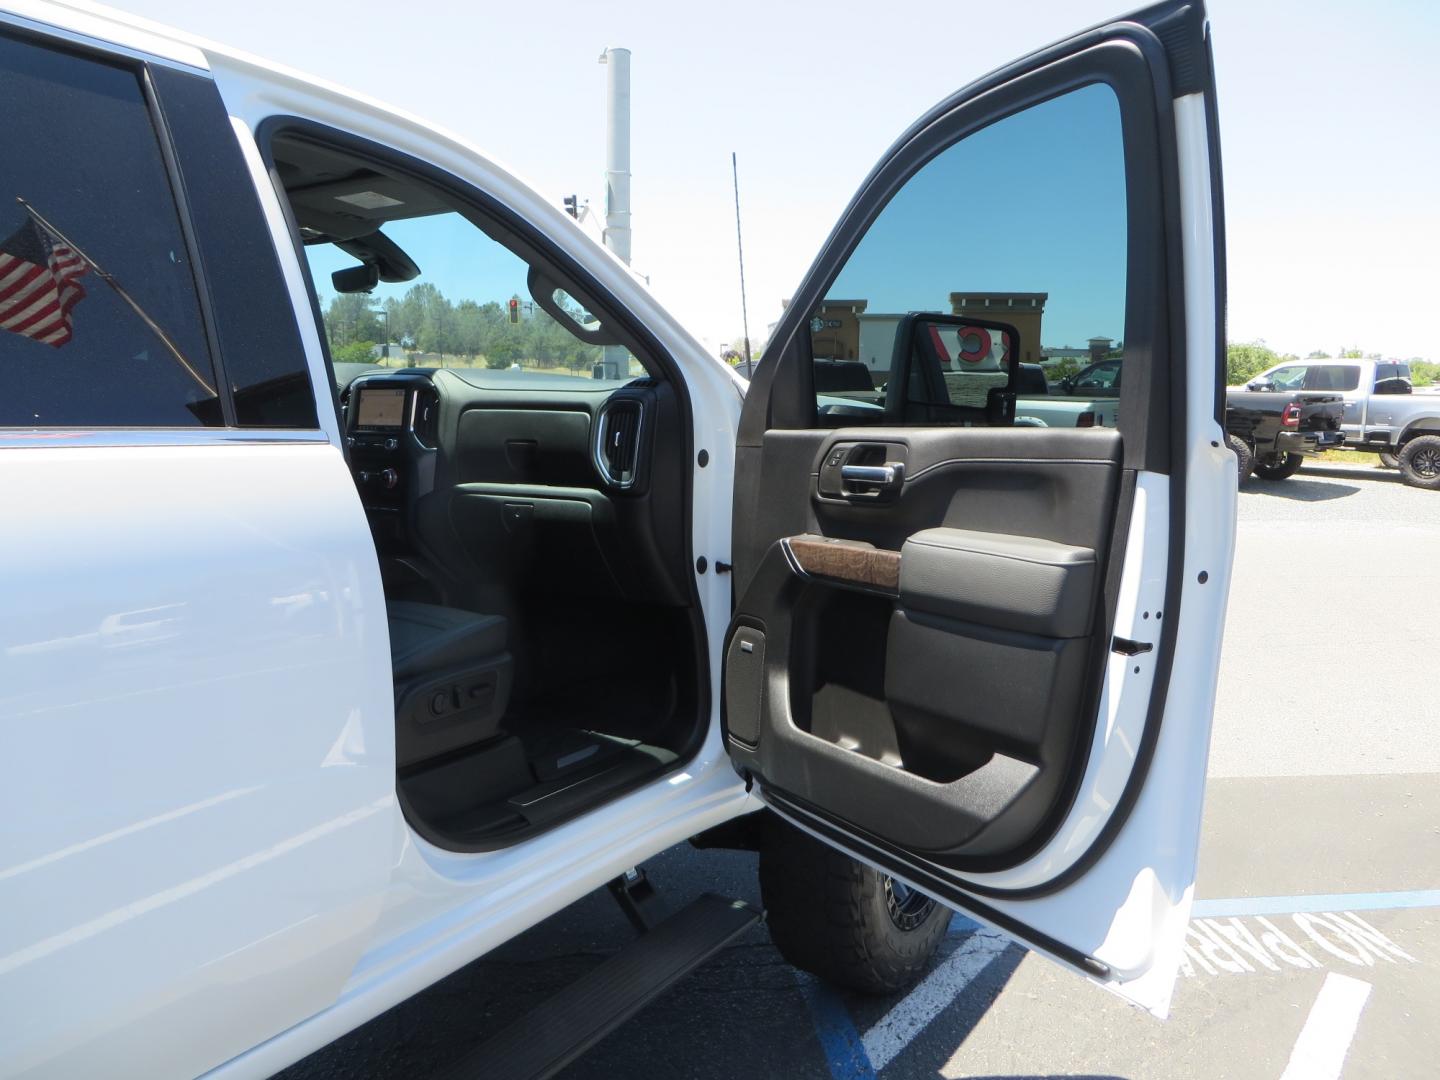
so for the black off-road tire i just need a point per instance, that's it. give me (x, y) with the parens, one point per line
(1244, 456)
(841, 920)
(1420, 462)
(1278, 466)
(1389, 460)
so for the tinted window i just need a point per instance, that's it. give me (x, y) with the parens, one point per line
(1332, 377)
(1020, 226)
(1392, 379)
(83, 348)
(1288, 378)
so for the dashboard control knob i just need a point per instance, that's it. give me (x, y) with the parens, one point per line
(350, 442)
(389, 478)
(392, 444)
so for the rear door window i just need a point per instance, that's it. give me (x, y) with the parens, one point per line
(1392, 379)
(98, 303)
(1341, 377)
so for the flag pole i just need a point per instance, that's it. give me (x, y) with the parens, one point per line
(106, 277)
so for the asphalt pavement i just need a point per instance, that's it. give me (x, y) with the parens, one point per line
(1314, 950)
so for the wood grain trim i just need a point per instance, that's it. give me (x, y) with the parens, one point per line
(852, 561)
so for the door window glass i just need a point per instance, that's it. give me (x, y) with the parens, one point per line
(1332, 377)
(1392, 379)
(1288, 378)
(102, 326)
(1016, 234)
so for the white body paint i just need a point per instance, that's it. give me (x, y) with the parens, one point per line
(200, 615)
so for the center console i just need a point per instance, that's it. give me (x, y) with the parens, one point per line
(390, 424)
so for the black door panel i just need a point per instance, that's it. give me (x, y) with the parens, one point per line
(927, 661)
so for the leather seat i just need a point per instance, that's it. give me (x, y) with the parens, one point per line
(427, 638)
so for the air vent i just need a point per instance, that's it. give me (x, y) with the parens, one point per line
(425, 421)
(617, 441)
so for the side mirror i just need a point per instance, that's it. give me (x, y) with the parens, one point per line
(1262, 385)
(944, 367)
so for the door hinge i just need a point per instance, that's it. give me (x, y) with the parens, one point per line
(722, 567)
(1125, 647)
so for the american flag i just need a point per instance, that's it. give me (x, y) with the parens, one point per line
(39, 285)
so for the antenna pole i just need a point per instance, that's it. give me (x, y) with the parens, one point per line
(740, 246)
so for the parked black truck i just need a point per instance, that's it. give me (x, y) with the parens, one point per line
(1272, 433)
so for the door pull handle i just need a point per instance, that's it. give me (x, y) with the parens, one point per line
(885, 475)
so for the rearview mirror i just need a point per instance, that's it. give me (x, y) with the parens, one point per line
(356, 279)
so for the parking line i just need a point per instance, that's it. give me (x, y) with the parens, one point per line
(1325, 1039)
(914, 1012)
(840, 1042)
(1288, 905)
(851, 1056)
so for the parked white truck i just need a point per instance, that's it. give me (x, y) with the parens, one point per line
(318, 681)
(1382, 414)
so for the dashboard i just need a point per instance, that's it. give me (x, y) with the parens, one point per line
(553, 483)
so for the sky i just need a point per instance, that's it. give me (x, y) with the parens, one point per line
(996, 213)
(1331, 143)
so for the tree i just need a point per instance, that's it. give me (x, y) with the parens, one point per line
(1423, 372)
(1317, 354)
(349, 318)
(1352, 352)
(1244, 360)
(1062, 369)
(354, 352)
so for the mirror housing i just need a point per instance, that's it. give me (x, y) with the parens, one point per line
(356, 279)
(937, 370)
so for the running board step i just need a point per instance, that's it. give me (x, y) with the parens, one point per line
(564, 1026)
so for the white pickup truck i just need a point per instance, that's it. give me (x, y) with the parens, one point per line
(321, 681)
(1382, 413)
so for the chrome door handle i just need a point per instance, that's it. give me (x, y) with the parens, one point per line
(869, 474)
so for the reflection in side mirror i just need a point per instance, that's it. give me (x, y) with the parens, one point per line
(954, 369)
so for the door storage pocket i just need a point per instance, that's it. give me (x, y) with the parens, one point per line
(1008, 687)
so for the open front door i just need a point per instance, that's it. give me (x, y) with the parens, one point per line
(978, 616)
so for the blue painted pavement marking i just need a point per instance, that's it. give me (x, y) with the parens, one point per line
(844, 1052)
(1288, 905)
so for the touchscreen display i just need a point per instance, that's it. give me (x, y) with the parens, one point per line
(381, 408)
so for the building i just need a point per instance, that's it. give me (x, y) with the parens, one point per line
(847, 330)
(1023, 311)
(835, 330)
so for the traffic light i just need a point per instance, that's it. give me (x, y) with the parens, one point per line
(514, 310)
(572, 205)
